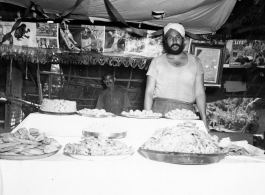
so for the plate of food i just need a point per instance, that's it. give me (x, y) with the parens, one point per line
(92, 148)
(144, 114)
(27, 144)
(95, 113)
(184, 143)
(181, 114)
(109, 130)
(57, 107)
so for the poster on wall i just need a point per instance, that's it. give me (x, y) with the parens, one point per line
(92, 38)
(70, 37)
(259, 48)
(47, 35)
(114, 40)
(25, 35)
(6, 27)
(144, 46)
(239, 52)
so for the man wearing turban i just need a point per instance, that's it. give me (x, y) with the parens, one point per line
(175, 78)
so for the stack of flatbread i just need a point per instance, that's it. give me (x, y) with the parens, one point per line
(27, 142)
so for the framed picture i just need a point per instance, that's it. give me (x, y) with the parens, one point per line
(212, 58)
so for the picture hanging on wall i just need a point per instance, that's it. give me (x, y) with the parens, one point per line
(114, 40)
(212, 59)
(147, 46)
(47, 35)
(92, 38)
(70, 37)
(6, 27)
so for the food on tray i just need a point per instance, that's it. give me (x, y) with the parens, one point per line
(58, 106)
(27, 142)
(181, 114)
(94, 112)
(234, 150)
(143, 113)
(185, 138)
(91, 146)
(104, 127)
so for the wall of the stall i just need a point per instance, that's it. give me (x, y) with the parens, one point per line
(83, 84)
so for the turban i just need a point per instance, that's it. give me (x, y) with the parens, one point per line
(176, 26)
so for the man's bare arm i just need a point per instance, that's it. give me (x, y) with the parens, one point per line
(201, 98)
(149, 91)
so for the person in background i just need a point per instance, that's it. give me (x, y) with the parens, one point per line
(175, 78)
(113, 99)
(259, 105)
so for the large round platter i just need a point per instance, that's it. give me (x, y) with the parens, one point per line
(57, 113)
(142, 117)
(175, 118)
(97, 115)
(182, 158)
(100, 158)
(105, 134)
(26, 157)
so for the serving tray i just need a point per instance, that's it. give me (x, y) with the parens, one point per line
(142, 117)
(57, 113)
(97, 115)
(100, 158)
(26, 157)
(181, 158)
(194, 118)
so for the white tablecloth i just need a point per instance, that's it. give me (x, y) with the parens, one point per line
(61, 174)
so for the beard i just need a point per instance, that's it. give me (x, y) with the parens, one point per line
(170, 50)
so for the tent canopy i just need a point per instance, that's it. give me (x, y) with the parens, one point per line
(197, 16)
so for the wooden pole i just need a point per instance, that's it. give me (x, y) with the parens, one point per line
(39, 83)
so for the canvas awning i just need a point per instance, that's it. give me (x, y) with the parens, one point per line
(197, 16)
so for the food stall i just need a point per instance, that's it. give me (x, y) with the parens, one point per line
(63, 172)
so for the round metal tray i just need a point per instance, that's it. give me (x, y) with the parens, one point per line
(142, 117)
(100, 158)
(97, 115)
(57, 113)
(105, 135)
(181, 158)
(26, 157)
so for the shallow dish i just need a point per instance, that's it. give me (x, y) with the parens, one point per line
(105, 135)
(182, 158)
(57, 113)
(100, 158)
(195, 118)
(97, 115)
(26, 157)
(142, 117)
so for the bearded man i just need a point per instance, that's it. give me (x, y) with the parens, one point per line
(175, 78)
